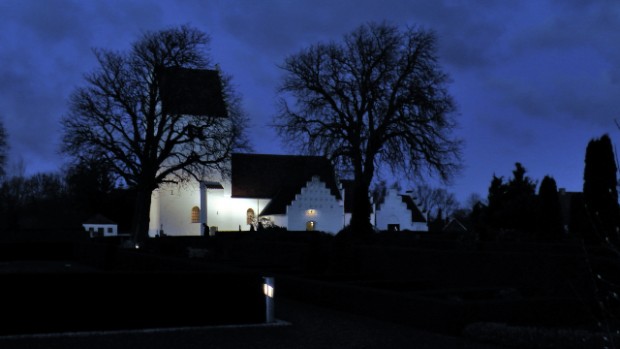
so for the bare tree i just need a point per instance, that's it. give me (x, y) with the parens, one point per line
(4, 150)
(432, 200)
(376, 98)
(117, 118)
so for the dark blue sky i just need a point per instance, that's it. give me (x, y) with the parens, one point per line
(534, 81)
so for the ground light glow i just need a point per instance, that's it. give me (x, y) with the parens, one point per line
(268, 290)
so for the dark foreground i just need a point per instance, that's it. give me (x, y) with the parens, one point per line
(389, 292)
(300, 326)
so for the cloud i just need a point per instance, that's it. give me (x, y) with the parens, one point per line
(564, 63)
(46, 51)
(280, 28)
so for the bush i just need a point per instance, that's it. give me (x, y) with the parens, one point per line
(536, 337)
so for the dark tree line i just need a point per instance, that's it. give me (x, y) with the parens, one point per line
(60, 202)
(550, 222)
(516, 211)
(511, 204)
(514, 208)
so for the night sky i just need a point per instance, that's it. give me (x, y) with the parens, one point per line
(534, 81)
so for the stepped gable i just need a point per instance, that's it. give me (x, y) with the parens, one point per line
(278, 177)
(416, 214)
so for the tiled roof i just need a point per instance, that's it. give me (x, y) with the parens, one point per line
(99, 219)
(278, 177)
(455, 225)
(416, 214)
(192, 91)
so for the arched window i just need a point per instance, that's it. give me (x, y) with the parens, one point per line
(195, 214)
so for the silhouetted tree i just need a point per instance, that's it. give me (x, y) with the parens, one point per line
(432, 200)
(117, 118)
(497, 202)
(472, 200)
(436, 223)
(377, 97)
(379, 192)
(599, 190)
(478, 219)
(578, 222)
(4, 149)
(468, 214)
(36, 202)
(549, 211)
(11, 203)
(512, 204)
(90, 185)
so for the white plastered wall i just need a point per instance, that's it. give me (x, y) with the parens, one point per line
(171, 209)
(394, 211)
(108, 229)
(316, 203)
(228, 213)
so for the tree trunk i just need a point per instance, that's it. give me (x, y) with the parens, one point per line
(360, 217)
(142, 208)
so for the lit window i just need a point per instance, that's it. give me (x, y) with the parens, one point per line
(310, 225)
(195, 214)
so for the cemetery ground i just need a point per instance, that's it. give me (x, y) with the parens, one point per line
(390, 290)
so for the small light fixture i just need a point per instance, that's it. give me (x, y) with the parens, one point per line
(268, 290)
(311, 212)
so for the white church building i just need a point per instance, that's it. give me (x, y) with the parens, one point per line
(399, 212)
(289, 191)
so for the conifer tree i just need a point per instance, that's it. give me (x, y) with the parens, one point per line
(511, 204)
(600, 192)
(549, 211)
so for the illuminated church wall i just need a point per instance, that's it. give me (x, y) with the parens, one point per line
(172, 205)
(394, 211)
(315, 208)
(172, 209)
(180, 210)
(228, 213)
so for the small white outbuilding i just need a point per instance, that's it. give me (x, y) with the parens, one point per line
(100, 226)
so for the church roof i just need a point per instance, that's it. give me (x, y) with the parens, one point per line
(99, 219)
(278, 177)
(416, 214)
(191, 91)
(455, 225)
